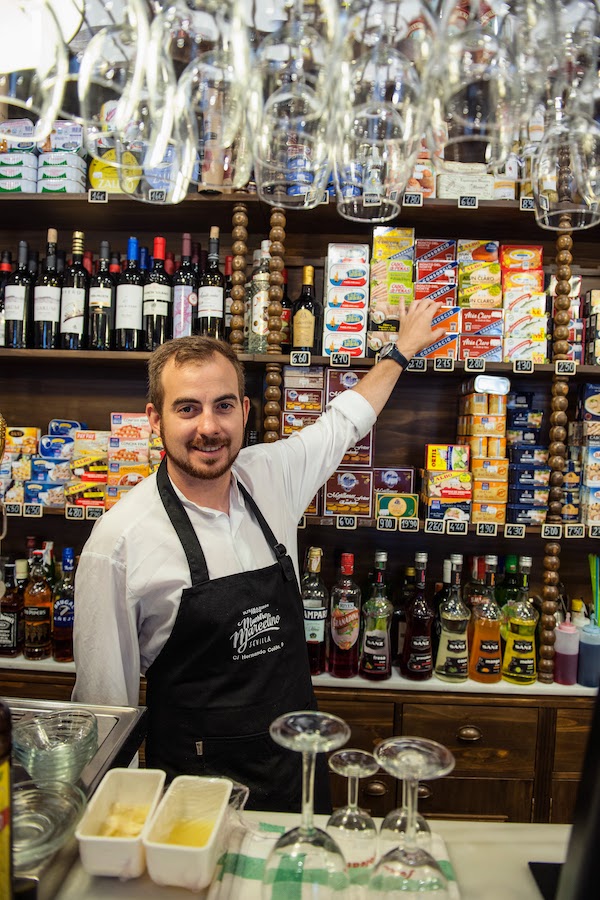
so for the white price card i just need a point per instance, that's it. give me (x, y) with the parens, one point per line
(594, 531)
(475, 365)
(157, 196)
(434, 526)
(408, 525)
(387, 523)
(443, 364)
(486, 529)
(345, 523)
(33, 511)
(13, 509)
(95, 196)
(468, 201)
(339, 360)
(514, 531)
(94, 512)
(565, 367)
(417, 364)
(523, 366)
(552, 532)
(324, 201)
(302, 522)
(527, 204)
(456, 528)
(574, 531)
(300, 358)
(412, 198)
(75, 513)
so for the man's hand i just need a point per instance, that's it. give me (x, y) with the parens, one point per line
(415, 326)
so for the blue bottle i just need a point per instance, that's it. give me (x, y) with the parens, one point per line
(588, 671)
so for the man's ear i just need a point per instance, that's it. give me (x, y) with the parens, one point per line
(246, 406)
(153, 418)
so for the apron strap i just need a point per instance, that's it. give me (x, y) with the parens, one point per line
(182, 525)
(278, 549)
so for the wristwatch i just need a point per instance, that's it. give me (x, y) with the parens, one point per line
(390, 351)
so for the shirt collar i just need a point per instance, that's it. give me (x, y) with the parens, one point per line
(237, 505)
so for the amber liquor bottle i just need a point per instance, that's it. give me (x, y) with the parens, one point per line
(38, 611)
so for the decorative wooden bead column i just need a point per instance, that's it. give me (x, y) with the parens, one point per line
(239, 248)
(272, 407)
(558, 437)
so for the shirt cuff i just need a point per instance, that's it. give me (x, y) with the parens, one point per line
(357, 409)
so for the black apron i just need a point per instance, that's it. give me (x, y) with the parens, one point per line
(234, 661)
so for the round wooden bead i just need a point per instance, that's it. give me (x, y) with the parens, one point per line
(560, 404)
(556, 462)
(562, 302)
(561, 333)
(238, 308)
(270, 437)
(277, 249)
(271, 423)
(554, 511)
(547, 637)
(238, 263)
(239, 219)
(546, 666)
(277, 233)
(558, 418)
(552, 548)
(557, 448)
(560, 388)
(563, 287)
(558, 433)
(237, 322)
(561, 348)
(271, 408)
(564, 242)
(276, 278)
(236, 337)
(561, 317)
(239, 233)
(278, 218)
(550, 577)
(550, 592)
(564, 258)
(239, 276)
(272, 393)
(274, 310)
(238, 292)
(274, 323)
(556, 493)
(552, 563)
(274, 338)
(275, 293)
(238, 248)
(557, 479)
(273, 378)
(563, 273)
(276, 264)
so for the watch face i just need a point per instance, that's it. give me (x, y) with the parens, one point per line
(386, 350)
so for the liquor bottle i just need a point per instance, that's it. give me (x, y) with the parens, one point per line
(170, 263)
(307, 315)
(196, 259)
(101, 319)
(438, 598)
(259, 294)
(485, 657)
(74, 299)
(158, 300)
(6, 868)
(5, 271)
(376, 658)
(472, 591)
(248, 287)
(405, 598)
(21, 573)
(115, 265)
(228, 287)
(345, 622)
(416, 662)
(129, 299)
(38, 612)
(210, 319)
(60, 262)
(18, 296)
(185, 291)
(452, 660)
(33, 264)
(144, 263)
(63, 611)
(286, 315)
(49, 563)
(46, 300)
(11, 615)
(507, 592)
(88, 262)
(518, 658)
(315, 598)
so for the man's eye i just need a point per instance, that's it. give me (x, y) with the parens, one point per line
(225, 405)
(185, 409)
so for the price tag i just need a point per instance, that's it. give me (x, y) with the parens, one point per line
(527, 204)
(33, 510)
(13, 509)
(393, 196)
(302, 522)
(339, 360)
(156, 196)
(443, 364)
(455, 528)
(514, 531)
(97, 196)
(565, 367)
(371, 200)
(94, 512)
(75, 513)
(408, 525)
(552, 532)
(417, 364)
(523, 366)
(434, 526)
(300, 358)
(324, 198)
(414, 198)
(387, 523)
(594, 531)
(487, 529)
(345, 523)
(468, 201)
(475, 365)
(574, 531)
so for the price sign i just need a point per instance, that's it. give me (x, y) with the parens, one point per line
(300, 358)
(443, 364)
(527, 204)
(414, 198)
(514, 531)
(455, 528)
(345, 523)
(387, 523)
(97, 196)
(475, 365)
(468, 201)
(523, 366)
(574, 531)
(339, 360)
(157, 196)
(13, 509)
(487, 529)
(417, 364)
(94, 512)
(434, 526)
(302, 522)
(324, 201)
(75, 513)
(408, 525)
(371, 200)
(594, 531)
(565, 367)
(552, 532)
(33, 510)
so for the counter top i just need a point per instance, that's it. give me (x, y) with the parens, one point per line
(36, 665)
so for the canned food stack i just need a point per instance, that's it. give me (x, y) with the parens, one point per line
(391, 279)
(346, 299)
(446, 485)
(529, 474)
(588, 418)
(526, 323)
(436, 279)
(61, 172)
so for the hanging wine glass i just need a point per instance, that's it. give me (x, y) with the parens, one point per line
(307, 855)
(408, 870)
(352, 828)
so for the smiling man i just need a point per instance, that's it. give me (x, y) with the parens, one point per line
(192, 579)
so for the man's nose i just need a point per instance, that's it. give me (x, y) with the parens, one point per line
(208, 422)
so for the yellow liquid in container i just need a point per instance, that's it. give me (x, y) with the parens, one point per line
(190, 833)
(125, 820)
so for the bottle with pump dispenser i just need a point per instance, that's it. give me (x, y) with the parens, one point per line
(452, 661)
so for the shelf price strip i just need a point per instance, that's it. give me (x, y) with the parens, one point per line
(387, 523)
(33, 511)
(94, 512)
(339, 360)
(409, 525)
(523, 366)
(552, 532)
(345, 523)
(13, 509)
(594, 531)
(574, 531)
(456, 528)
(443, 364)
(74, 513)
(299, 358)
(417, 364)
(475, 365)
(486, 529)
(435, 526)
(514, 531)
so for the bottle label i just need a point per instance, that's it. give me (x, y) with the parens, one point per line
(344, 625)
(401, 635)
(488, 659)
(519, 657)
(314, 624)
(64, 609)
(156, 299)
(129, 306)
(38, 626)
(420, 656)
(46, 304)
(304, 328)
(286, 318)
(210, 302)
(100, 299)
(376, 652)
(71, 310)
(260, 314)
(14, 302)
(185, 299)
(5, 820)
(228, 302)
(457, 646)
(9, 629)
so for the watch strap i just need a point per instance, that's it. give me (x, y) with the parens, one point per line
(400, 358)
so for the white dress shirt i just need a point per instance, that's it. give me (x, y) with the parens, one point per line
(133, 568)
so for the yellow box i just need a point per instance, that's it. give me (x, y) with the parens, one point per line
(487, 426)
(496, 404)
(474, 405)
(485, 468)
(446, 457)
(387, 242)
(496, 448)
(448, 485)
(478, 445)
(488, 512)
(490, 492)
(25, 439)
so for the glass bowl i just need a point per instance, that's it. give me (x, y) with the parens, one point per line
(44, 817)
(56, 746)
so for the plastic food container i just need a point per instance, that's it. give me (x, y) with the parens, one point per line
(125, 797)
(193, 812)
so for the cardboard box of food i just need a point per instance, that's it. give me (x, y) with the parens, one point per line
(488, 468)
(349, 493)
(397, 505)
(394, 479)
(307, 400)
(446, 457)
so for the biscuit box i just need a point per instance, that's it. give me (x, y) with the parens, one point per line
(348, 493)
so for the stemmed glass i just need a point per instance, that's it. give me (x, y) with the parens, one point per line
(306, 854)
(409, 868)
(392, 831)
(352, 828)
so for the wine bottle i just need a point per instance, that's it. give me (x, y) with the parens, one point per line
(101, 320)
(170, 263)
(307, 315)
(17, 303)
(33, 264)
(211, 293)
(5, 270)
(345, 622)
(88, 262)
(46, 299)
(144, 263)
(286, 315)
(129, 299)
(158, 302)
(185, 291)
(115, 268)
(196, 259)
(228, 286)
(74, 299)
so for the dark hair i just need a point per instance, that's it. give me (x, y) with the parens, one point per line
(184, 350)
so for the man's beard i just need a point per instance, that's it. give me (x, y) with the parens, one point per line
(206, 470)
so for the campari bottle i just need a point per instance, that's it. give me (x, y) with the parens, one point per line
(315, 598)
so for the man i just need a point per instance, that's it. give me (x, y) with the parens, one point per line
(192, 579)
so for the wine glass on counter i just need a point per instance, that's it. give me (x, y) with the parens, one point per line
(352, 828)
